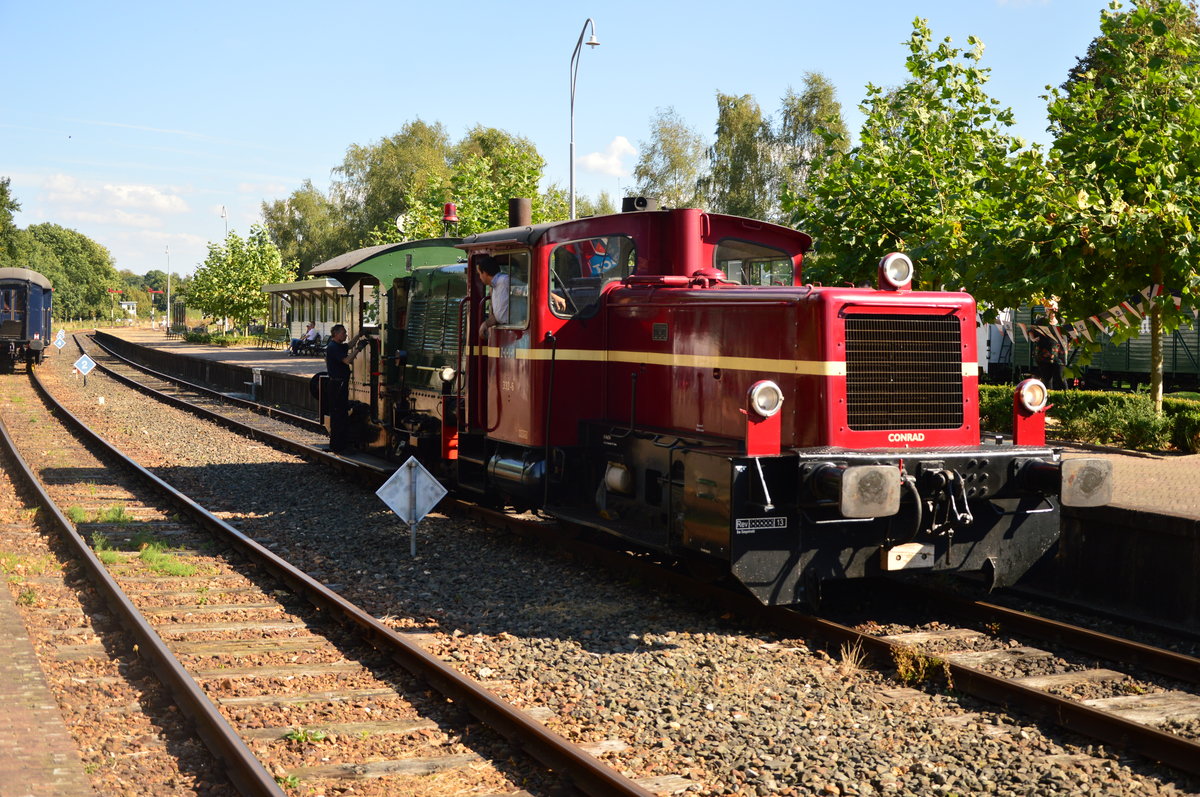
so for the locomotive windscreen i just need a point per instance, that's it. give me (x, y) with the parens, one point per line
(903, 372)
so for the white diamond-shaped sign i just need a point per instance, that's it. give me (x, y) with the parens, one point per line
(85, 364)
(62, 334)
(59, 342)
(411, 492)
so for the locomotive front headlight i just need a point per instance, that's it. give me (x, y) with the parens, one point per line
(895, 272)
(1034, 395)
(766, 398)
(448, 373)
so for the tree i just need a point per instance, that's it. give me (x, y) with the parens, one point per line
(798, 139)
(8, 229)
(671, 162)
(229, 283)
(307, 227)
(480, 186)
(740, 178)
(931, 169)
(80, 270)
(375, 180)
(1122, 206)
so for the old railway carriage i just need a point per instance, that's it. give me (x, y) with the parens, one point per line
(666, 376)
(25, 307)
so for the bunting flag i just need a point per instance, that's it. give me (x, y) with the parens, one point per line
(1111, 320)
(1080, 328)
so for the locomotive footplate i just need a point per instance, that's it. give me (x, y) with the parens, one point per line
(786, 523)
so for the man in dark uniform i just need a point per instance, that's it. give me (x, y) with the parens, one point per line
(338, 357)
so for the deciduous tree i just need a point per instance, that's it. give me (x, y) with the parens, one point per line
(672, 162)
(229, 283)
(1123, 205)
(740, 175)
(932, 164)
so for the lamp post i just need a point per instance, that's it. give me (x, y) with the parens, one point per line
(168, 287)
(592, 42)
(225, 215)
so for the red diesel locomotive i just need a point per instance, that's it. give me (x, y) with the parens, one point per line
(666, 376)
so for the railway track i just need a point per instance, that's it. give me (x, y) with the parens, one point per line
(1135, 731)
(286, 682)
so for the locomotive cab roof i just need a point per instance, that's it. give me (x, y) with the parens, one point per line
(529, 235)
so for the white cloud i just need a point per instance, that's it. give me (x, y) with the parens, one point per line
(121, 218)
(71, 195)
(609, 161)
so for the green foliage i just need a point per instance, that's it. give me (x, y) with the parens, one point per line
(161, 561)
(374, 180)
(305, 736)
(739, 181)
(1121, 206)
(810, 129)
(930, 176)
(1127, 420)
(229, 283)
(307, 227)
(671, 162)
(80, 269)
(481, 186)
(1185, 436)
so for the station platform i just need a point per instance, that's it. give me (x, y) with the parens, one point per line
(1159, 484)
(249, 356)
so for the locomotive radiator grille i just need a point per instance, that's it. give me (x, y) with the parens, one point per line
(903, 372)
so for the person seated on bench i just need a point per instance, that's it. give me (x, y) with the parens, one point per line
(310, 338)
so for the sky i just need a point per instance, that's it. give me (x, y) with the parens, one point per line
(151, 127)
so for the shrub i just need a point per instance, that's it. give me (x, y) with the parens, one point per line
(1185, 434)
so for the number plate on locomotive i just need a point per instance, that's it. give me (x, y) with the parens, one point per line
(746, 525)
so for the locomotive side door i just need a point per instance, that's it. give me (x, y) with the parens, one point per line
(497, 380)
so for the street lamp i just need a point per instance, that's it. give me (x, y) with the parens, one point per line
(592, 42)
(225, 215)
(168, 287)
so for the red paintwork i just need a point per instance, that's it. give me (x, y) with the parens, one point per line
(702, 318)
(1029, 428)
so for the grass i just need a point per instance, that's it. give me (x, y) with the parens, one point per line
(76, 515)
(913, 666)
(27, 597)
(115, 514)
(159, 559)
(17, 565)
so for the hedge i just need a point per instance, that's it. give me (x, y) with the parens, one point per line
(1124, 419)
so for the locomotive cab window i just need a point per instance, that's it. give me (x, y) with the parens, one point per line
(749, 263)
(516, 266)
(579, 271)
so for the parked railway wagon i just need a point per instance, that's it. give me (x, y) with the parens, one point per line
(1124, 364)
(25, 308)
(667, 377)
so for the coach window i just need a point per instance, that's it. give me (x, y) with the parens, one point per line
(749, 263)
(579, 271)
